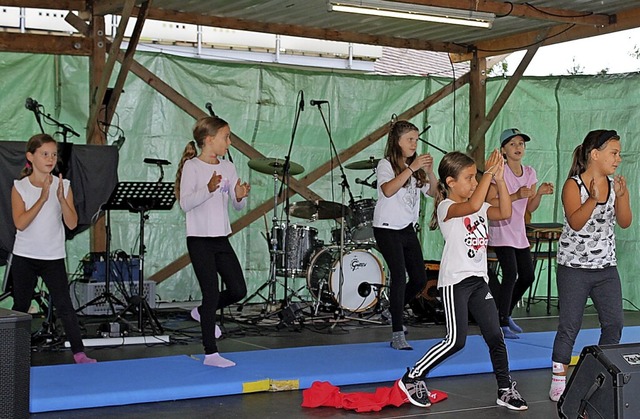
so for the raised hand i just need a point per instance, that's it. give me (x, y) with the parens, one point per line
(60, 191)
(214, 182)
(423, 161)
(620, 186)
(546, 188)
(495, 159)
(525, 192)
(594, 192)
(242, 189)
(46, 185)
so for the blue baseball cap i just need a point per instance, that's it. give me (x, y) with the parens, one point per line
(508, 134)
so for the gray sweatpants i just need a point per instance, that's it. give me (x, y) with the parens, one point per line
(574, 287)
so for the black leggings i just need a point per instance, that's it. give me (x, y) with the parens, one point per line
(403, 254)
(211, 256)
(25, 272)
(471, 295)
(517, 277)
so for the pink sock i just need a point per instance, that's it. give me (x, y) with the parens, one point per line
(82, 358)
(215, 360)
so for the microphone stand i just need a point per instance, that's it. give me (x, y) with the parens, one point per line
(339, 313)
(212, 113)
(428, 143)
(285, 183)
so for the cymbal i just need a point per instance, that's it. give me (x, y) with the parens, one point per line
(317, 210)
(371, 163)
(270, 166)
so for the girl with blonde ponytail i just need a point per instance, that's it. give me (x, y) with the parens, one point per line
(205, 186)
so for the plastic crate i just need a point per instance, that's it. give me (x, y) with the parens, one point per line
(83, 292)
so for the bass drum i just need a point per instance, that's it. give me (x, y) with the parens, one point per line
(360, 266)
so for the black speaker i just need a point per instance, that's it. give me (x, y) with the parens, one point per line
(604, 384)
(15, 363)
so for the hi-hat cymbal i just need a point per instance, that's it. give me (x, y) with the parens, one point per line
(270, 166)
(370, 163)
(317, 210)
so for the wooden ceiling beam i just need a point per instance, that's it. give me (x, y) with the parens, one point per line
(557, 34)
(303, 31)
(523, 10)
(108, 7)
(80, 5)
(44, 44)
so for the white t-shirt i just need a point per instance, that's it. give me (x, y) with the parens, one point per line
(465, 247)
(44, 236)
(402, 208)
(207, 212)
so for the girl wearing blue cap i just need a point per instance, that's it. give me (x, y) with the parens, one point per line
(509, 237)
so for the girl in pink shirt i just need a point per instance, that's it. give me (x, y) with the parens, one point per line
(509, 237)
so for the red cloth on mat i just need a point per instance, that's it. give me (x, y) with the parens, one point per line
(323, 393)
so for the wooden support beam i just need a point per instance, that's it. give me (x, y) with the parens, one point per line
(304, 31)
(126, 62)
(628, 19)
(80, 5)
(320, 171)
(44, 44)
(97, 232)
(477, 105)
(98, 95)
(523, 10)
(477, 136)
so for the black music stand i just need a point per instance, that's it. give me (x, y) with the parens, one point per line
(141, 197)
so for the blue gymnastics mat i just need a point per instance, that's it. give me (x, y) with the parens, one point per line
(64, 387)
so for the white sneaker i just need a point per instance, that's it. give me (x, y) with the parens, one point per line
(195, 315)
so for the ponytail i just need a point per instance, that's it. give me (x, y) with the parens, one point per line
(26, 170)
(441, 195)
(579, 163)
(189, 152)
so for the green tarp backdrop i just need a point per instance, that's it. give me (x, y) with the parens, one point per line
(259, 102)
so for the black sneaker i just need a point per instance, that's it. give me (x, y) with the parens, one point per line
(511, 399)
(415, 389)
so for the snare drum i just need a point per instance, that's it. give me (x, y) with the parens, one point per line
(360, 266)
(361, 221)
(301, 243)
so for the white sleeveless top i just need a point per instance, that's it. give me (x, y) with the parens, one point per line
(44, 237)
(594, 246)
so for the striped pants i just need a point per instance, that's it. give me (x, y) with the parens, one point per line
(471, 295)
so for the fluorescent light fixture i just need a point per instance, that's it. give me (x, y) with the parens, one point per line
(414, 12)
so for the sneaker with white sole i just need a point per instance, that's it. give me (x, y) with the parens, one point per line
(511, 399)
(415, 389)
(195, 315)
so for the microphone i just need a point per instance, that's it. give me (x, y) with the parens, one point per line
(302, 100)
(159, 162)
(317, 102)
(373, 184)
(31, 104)
(210, 108)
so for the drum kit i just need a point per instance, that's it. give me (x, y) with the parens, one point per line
(343, 275)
